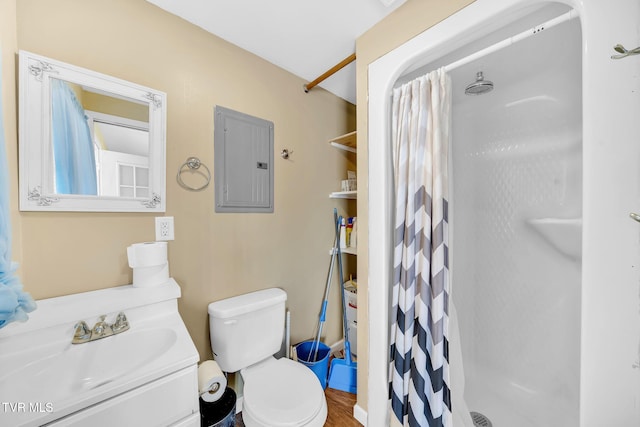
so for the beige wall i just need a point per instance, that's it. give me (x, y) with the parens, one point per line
(214, 255)
(406, 22)
(115, 106)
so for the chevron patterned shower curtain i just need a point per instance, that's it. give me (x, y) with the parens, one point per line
(419, 366)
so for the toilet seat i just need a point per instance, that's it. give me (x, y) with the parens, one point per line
(282, 393)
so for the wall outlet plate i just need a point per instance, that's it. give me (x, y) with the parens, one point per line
(164, 228)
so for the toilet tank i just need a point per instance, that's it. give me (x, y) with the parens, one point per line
(247, 329)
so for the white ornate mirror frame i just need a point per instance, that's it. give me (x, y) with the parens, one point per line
(37, 167)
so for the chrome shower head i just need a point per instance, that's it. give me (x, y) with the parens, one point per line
(480, 86)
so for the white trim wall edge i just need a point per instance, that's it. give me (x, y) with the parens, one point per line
(360, 414)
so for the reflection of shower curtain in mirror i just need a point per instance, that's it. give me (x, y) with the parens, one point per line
(14, 302)
(419, 365)
(73, 152)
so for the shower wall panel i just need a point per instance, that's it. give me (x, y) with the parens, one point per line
(517, 168)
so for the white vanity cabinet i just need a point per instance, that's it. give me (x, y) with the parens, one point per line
(167, 401)
(146, 375)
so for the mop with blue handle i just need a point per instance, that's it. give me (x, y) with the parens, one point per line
(343, 372)
(323, 311)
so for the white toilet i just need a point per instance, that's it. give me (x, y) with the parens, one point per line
(246, 331)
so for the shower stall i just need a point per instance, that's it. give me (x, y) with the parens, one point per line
(516, 205)
(540, 179)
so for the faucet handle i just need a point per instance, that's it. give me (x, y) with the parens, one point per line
(121, 324)
(101, 329)
(82, 333)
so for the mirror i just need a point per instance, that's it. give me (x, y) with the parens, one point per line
(88, 141)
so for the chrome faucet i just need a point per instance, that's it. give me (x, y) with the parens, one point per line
(121, 324)
(100, 330)
(82, 333)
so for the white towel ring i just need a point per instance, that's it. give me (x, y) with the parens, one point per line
(193, 165)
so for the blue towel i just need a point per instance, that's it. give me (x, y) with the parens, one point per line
(14, 302)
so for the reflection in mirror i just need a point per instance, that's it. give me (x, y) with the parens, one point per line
(95, 152)
(73, 153)
(122, 155)
(88, 141)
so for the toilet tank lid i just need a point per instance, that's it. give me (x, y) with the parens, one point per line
(246, 303)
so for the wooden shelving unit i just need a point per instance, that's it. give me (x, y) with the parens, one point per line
(346, 142)
(348, 251)
(344, 195)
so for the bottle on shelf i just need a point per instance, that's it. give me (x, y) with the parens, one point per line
(349, 231)
(353, 241)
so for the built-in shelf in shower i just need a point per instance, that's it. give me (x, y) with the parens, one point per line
(565, 235)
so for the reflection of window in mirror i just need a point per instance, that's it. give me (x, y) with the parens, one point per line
(134, 180)
(119, 139)
(122, 155)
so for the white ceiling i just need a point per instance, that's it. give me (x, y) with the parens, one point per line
(305, 38)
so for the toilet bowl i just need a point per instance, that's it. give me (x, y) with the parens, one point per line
(279, 392)
(246, 331)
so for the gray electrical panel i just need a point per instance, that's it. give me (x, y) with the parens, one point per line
(243, 162)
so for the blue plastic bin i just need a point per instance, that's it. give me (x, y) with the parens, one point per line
(319, 365)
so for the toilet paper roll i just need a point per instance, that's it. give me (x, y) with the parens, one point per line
(211, 381)
(145, 277)
(147, 254)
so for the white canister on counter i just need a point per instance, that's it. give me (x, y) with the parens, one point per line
(149, 263)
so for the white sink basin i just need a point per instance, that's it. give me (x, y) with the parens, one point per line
(119, 355)
(81, 367)
(52, 378)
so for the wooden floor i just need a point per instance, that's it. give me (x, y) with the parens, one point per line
(340, 409)
(340, 405)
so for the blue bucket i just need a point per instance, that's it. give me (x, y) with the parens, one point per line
(319, 365)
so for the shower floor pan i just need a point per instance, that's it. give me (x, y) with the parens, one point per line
(501, 402)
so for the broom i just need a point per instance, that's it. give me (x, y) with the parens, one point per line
(343, 372)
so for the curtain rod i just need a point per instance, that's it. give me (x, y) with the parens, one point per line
(348, 60)
(513, 39)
